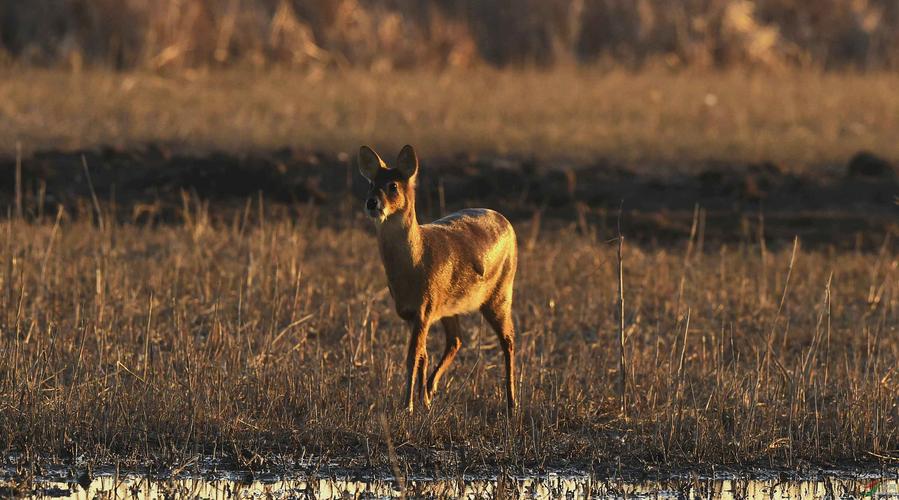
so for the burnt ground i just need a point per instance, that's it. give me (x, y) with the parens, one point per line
(847, 207)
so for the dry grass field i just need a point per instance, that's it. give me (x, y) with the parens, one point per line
(800, 119)
(275, 334)
(250, 319)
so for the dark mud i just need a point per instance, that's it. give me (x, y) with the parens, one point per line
(851, 206)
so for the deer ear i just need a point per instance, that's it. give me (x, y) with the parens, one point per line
(407, 162)
(369, 162)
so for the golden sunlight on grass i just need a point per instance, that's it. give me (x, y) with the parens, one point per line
(280, 335)
(794, 118)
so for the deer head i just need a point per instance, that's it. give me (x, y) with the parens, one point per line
(392, 190)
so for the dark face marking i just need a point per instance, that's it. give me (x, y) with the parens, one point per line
(388, 193)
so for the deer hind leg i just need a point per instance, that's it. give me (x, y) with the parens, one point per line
(416, 361)
(498, 313)
(453, 330)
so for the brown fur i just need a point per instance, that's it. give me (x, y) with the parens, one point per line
(459, 264)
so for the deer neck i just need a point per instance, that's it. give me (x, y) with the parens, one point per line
(400, 243)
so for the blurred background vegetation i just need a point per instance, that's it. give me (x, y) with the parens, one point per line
(398, 34)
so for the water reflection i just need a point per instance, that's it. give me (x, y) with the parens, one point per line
(566, 485)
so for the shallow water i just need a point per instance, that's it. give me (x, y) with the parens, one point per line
(225, 485)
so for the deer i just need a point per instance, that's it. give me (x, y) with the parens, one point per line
(459, 264)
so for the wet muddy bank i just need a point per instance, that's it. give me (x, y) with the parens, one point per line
(848, 205)
(205, 479)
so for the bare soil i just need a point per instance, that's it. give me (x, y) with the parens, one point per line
(837, 206)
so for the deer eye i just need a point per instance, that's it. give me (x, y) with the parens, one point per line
(392, 188)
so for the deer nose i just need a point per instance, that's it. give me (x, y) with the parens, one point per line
(371, 204)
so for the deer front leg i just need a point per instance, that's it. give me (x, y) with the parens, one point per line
(422, 378)
(416, 360)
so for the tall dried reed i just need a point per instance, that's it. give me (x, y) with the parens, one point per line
(164, 34)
